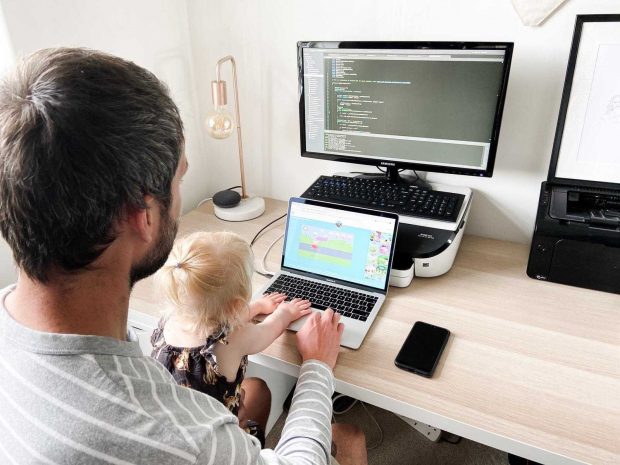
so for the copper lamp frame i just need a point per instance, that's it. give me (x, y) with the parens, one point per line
(218, 93)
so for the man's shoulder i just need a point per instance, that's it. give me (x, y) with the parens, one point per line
(105, 406)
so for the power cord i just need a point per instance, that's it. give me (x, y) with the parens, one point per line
(266, 275)
(265, 227)
(336, 398)
(374, 446)
(263, 271)
(349, 407)
(204, 201)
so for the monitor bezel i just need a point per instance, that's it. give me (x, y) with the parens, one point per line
(507, 47)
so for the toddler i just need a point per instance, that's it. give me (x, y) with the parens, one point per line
(207, 332)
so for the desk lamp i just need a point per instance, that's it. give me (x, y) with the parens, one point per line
(228, 204)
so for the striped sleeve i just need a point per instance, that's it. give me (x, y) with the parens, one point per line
(306, 437)
(307, 434)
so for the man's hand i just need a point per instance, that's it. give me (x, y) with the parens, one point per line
(319, 338)
(266, 304)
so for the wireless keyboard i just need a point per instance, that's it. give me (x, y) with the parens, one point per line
(381, 194)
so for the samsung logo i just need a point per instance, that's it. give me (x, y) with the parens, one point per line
(329, 280)
(387, 163)
(426, 236)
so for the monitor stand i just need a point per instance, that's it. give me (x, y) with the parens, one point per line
(394, 176)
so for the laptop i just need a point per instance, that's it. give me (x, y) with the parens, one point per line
(337, 256)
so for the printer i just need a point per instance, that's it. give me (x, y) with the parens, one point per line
(424, 247)
(427, 248)
(576, 239)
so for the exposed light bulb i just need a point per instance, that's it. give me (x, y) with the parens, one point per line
(220, 123)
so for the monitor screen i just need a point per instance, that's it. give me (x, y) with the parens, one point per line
(426, 106)
(339, 243)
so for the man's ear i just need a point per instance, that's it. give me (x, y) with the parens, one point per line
(142, 221)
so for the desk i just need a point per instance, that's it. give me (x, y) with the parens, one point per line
(532, 368)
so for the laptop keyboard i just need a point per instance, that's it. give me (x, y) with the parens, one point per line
(351, 304)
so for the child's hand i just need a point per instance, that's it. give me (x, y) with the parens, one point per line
(266, 304)
(295, 309)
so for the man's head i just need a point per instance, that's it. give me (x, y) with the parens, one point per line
(86, 139)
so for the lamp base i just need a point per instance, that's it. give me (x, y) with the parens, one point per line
(248, 209)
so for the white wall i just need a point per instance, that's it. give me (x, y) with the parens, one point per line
(262, 35)
(152, 33)
(7, 58)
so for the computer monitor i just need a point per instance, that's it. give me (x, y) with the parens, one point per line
(428, 106)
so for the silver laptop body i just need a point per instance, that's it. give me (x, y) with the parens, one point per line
(337, 256)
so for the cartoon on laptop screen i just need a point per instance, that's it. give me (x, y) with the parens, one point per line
(339, 257)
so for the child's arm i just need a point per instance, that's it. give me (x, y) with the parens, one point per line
(258, 337)
(253, 338)
(266, 304)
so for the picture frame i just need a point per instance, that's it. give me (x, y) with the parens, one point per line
(587, 140)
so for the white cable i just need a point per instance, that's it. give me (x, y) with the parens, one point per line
(380, 441)
(203, 201)
(263, 265)
(374, 446)
(340, 412)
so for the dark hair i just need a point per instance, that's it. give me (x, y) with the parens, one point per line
(83, 137)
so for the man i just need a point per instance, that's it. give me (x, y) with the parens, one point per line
(91, 159)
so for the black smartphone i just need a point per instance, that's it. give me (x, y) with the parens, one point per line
(422, 349)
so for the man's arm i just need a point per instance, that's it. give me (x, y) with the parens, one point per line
(309, 418)
(306, 437)
(307, 432)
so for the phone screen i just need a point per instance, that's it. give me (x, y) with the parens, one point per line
(422, 348)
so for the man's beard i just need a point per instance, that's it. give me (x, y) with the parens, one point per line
(157, 256)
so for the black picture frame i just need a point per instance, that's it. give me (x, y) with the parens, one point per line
(552, 178)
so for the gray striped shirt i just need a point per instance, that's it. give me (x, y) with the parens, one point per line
(71, 399)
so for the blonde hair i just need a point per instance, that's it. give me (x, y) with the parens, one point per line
(208, 279)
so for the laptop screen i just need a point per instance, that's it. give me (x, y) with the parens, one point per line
(339, 243)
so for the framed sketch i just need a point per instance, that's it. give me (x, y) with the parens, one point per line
(587, 141)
